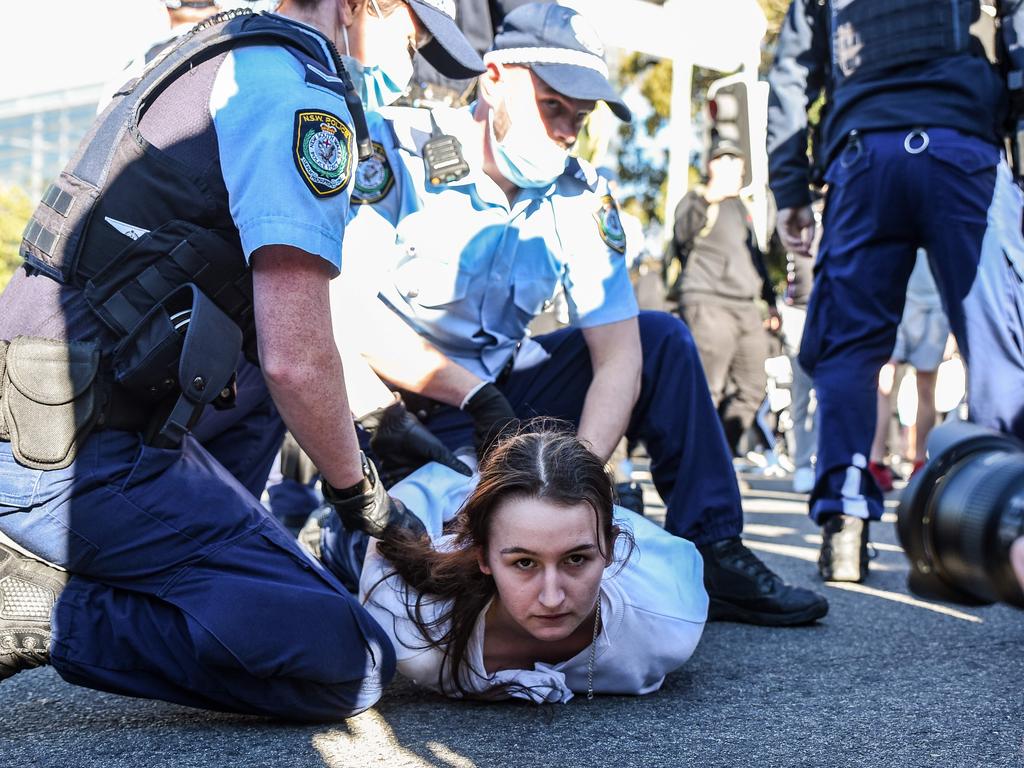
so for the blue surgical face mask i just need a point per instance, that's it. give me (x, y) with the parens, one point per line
(379, 84)
(527, 156)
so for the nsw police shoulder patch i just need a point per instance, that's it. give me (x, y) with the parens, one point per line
(610, 225)
(374, 178)
(323, 151)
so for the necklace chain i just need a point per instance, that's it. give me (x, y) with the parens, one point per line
(593, 651)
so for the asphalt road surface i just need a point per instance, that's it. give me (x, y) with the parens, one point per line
(884, 680)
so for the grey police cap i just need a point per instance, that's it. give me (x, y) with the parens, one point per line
(561, 48)
(449, 52)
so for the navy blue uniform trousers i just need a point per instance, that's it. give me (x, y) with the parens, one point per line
(183, 587)
(691, 464)
(890, 193)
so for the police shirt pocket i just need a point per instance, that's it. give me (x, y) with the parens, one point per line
(530, 295)
(429, 283)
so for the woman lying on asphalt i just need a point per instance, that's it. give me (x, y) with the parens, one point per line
(534, 587)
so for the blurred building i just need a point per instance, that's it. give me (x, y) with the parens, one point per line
(39, 132)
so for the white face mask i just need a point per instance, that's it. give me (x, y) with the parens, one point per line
(526, 156)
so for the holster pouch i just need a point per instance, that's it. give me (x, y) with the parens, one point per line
(49, 399)
(185, 342)
(146, 361)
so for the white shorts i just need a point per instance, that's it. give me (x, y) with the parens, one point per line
(921, 337)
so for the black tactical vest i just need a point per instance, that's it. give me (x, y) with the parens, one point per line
(871, 35)
(138, 237)
(129, 223)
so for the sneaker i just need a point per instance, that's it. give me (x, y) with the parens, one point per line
(28, 592)
(631, 496)
(844, 549)
(742, 588)
(882, 474)
(803, 480)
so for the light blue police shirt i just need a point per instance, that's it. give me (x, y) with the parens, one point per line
(257, 98)
(468, 271)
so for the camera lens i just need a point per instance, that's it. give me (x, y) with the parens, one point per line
(960, 514)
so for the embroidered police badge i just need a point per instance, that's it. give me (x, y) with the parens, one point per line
(323, 151)
(374, 178)
(610, 225)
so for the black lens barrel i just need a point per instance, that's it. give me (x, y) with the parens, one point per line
(959, 515)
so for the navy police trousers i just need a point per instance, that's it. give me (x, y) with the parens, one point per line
(183, 588)
(691, 465)
(890, 193)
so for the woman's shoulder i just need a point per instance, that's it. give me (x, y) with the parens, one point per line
(655, 607)
(663, 574)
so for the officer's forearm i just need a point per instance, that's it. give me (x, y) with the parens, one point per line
(398, 354)
(616, 360)
(300, 361)
(366, 392)
(427, 372)
(309, 392)
(607, 409)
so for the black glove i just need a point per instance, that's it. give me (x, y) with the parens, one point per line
(367, 507)
(402, 444)
(492, 415)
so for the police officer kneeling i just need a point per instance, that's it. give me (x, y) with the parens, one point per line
(235, 149)
(474, 259)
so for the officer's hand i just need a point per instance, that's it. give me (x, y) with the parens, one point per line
(403, 444)
(368, 507)
(492, 415)
(796, 229)
(773, 323)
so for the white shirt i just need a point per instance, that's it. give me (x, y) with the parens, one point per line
(653, 608)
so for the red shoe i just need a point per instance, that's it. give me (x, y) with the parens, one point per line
(882, 474)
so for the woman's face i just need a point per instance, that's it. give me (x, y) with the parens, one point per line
(547, 564)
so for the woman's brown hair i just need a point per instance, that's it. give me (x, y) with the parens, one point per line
(542, 461)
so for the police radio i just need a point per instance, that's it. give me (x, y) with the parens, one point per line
(442, 155)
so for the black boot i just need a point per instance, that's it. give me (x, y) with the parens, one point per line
(742, 588)
(844, 549)
(28, 592)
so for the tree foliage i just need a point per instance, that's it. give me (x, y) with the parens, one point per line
(15, 210)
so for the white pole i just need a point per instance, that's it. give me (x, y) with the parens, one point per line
(757, 115)
(680, 124)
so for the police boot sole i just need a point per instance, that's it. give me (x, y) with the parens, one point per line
(722, 610)
(28, 592)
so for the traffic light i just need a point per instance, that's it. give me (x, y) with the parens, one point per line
(728, 112)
